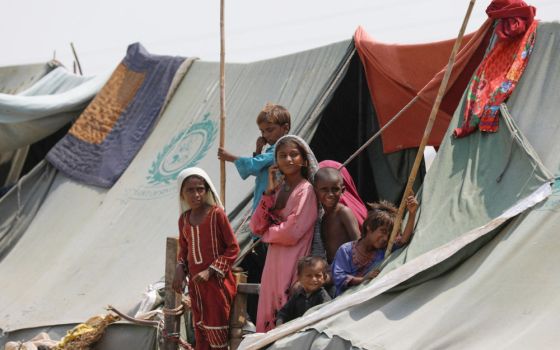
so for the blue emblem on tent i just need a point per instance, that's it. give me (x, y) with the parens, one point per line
(184, 150)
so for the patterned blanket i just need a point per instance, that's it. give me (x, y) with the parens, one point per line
(108, 134)
(497, 75)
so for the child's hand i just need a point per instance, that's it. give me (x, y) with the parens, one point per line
(373, 274)
(261, 142)
(272, 179)
(411, 204)
(225, 155)
(202, 276)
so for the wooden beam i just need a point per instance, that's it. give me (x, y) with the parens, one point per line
(171, 299)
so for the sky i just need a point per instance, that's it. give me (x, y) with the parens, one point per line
(36, 30)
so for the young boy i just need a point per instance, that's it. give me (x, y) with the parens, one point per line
(339, 224)
(311, 277)
(358, 260)
(274, 122)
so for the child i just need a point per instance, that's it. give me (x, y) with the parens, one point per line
(338, 224)
(350, 196)
(274, 122)
(357, 261)
(285, 219)
(207, 249)
(311, 276)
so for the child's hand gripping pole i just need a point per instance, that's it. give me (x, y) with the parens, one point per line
(428, 130)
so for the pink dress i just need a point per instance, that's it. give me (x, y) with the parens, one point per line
(288, 232)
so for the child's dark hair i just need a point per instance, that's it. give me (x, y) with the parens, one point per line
(206, 186)
(275, 114)
(286, 140)
(383, 205)
(382, 214)
(327, 173)
(309, 260)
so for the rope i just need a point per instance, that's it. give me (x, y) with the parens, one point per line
(176, 338)
(132, 319)
(178, 311)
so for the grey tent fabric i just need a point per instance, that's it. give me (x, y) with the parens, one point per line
(89, 247)
(44, 108)
(505, 295)
(19, 206)
(14, 79)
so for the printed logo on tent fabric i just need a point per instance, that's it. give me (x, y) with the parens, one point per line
(184, 150)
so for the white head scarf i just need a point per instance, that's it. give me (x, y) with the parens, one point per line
(211, 197)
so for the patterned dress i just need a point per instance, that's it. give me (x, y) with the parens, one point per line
(211, 244)
(349, 261)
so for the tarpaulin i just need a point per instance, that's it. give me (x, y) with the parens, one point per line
(396, 73)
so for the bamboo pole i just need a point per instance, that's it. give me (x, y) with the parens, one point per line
(76, 57)
(222, 103)
(171, 322)
(428, 129)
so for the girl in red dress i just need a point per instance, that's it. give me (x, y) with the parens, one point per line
(207, 250)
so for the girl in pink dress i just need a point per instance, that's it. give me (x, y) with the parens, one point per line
(285, 219)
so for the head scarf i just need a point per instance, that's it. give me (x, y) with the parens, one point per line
(211, 197)
(350, 197)
(312, 165)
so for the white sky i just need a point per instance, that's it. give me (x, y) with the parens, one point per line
(255, 29)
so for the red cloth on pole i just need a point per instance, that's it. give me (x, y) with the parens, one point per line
(516, 17)
(396, 73)
(494, 81)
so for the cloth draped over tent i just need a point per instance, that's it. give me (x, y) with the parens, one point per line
(495, 79)
(44, 107)
(111, 130)
(396, 74)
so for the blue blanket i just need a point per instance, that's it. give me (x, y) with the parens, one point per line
(108, 134)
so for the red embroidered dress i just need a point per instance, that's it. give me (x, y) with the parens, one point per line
(212, 244)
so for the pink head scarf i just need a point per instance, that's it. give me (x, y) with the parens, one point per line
(350, 197)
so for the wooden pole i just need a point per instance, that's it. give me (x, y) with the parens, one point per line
(76, 57)
(428, 129)
(238, 311)
(222, 103)
(171, 322)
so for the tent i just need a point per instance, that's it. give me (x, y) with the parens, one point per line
(68, 249)
(480, 272)
(36, 102)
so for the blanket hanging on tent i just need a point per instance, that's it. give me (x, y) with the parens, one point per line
(108, 134)
(494, 81)
(396, 73)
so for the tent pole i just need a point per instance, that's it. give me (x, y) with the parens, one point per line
(171, 322)
(428, 130)
(76, 57)
(222, 104)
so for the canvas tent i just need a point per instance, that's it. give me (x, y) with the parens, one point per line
(476, 275)
(68, 249)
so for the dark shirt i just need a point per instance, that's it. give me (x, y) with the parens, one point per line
(300, 302)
